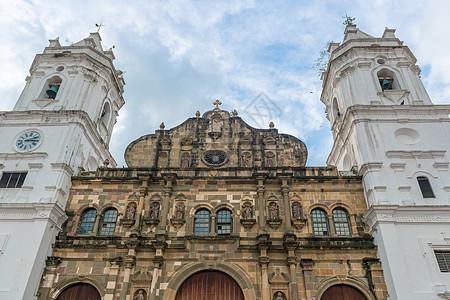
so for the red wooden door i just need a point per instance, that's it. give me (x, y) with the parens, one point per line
(342, 292)
(81, 291)
(210, 285)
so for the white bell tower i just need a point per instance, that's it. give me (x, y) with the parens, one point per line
(61, 125)
(387, 130)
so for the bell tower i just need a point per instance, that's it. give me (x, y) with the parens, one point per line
(61, 125)
(387, 130)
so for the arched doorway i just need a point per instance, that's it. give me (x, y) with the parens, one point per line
(207, 285)
(342, 292)
(80, 291)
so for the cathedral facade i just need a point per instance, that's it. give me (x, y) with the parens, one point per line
(215, 208)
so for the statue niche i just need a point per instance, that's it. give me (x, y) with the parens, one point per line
(215, 125)
(130, 215)
(274, 218)
(297, 215)
(153, 219)
(247, 219)
(178, 216)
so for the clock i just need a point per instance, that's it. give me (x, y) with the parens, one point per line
(28, 140)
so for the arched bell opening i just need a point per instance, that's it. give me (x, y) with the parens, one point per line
(210, 285)
(51, 88)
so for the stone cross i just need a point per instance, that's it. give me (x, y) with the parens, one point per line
(217, 103)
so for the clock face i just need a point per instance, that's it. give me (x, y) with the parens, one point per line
(28, 140)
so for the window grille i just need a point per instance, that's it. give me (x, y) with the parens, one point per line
(107, 225)
(87, 221)
(223, 224)
(202, 222)
(319, 222)
(443, 260)
(341, 222)
(12, 180)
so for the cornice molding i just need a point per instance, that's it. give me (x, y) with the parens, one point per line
(392, 214)
(33, 211)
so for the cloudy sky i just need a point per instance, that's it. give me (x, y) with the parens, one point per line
(179, 56)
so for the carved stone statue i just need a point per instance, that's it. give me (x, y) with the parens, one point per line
(273, 211)
(154, 211)
(246, 160)
(279, 296)
(296, 210)
(269, 161)
(179, 211)
(247, 211)
(139, 295)
(216, 124)
(185, 161)
(131, 211)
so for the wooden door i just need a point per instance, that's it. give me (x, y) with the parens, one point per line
(210, 285)
(342, 292)
(81, 291)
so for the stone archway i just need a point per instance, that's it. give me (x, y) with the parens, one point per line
(79, 291)
(209, 285)
(190, 269)
(342, 292)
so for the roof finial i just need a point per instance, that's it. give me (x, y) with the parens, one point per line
(348, 20)
(99, 25)
(217, 103)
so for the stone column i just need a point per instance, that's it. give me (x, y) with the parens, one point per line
(129, 262)
(143, 190)
(263, 246)
(310, 287)
(265, 290)
(158, 262)
(261, 205)
(95, 229)
(212, 230)
(113, 275)
(169, 179)
(50, 270)
(286, 203)
(291, 261)
(331, 224)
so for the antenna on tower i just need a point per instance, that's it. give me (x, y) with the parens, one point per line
(99, 25)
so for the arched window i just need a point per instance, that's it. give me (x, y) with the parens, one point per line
(202, 222)
(335, 108)
(425, 187)
(107, 224)
(341, 222)
(223, 222)
(319, 222)
(87, 221)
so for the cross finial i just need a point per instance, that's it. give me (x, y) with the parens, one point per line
(217, 103)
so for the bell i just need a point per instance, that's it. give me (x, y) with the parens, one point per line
(386, 85)
(51, 92)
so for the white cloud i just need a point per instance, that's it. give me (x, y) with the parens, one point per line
(179, 56)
